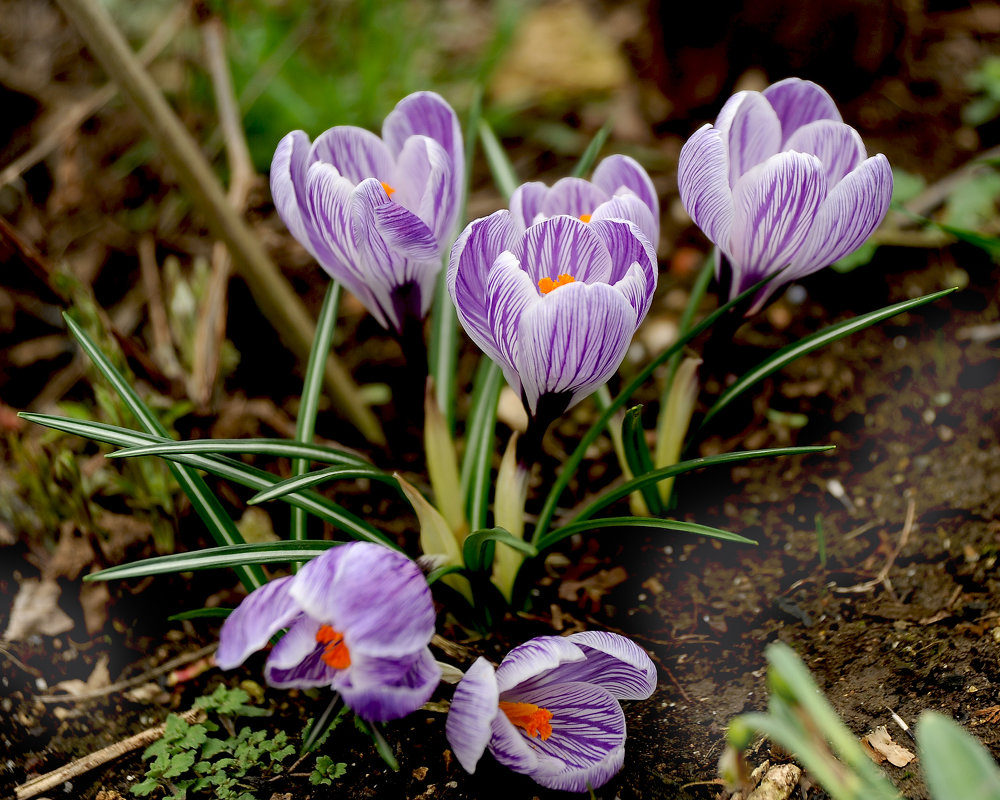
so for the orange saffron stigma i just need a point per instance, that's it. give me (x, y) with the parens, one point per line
(585, 217)
(389, 191)
(532, 718)
(546, 285)
(336, 653)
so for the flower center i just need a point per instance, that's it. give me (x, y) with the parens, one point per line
(335, 654)
(546, 285)
(534, 719)
(389, 191)
(585, 217)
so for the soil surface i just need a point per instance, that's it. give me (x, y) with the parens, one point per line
(876, 561)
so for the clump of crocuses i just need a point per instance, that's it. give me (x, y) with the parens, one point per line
(359, 619)
(551, 709)
(377, 213)
(780, 182)
(554, 304)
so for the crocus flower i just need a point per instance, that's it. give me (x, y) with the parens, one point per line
(780, 181)
(359, 619)
(555, 304)
(551, 710)
(619, 189)
(377, 214)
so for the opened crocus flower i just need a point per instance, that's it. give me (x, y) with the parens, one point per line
(551, 710)
(780, 181)
(377, 214)
(619, 189)
(359, 619)
(556, 304)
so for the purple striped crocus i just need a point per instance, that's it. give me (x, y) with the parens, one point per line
(551, 709)
(377, 213)
(619, 189)
(554, 304)
(781, 181)
(359, 619)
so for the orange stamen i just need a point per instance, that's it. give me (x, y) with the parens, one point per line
(532, 718)
(389, 191)
(546, 285)
(585, 217)
(336, 653)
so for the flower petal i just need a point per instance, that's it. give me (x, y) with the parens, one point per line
(613, 662)
(423, 183)
(798, 102)
(838, 146)
(587, 745)
(526, 203)
(376, 597)
(618, 171)
(573, 341)
(472, 258)
(510, 747)
(572, 196)
(288, 184)
(703, 181)
(627, 245)
(847, 217)
(751, 132)
(535, 658)
(563, 245)
(426, 114)
(473, 708)
(296, 662)
(776, 203)
(382, 689)
(629, 207)
(509, 291)
(356, 153)
(263, 613)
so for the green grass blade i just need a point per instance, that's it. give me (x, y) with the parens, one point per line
(638, 458)
(687, 317)
(305, 421)
(593, 150)
(277, 448)
(475, 548)
(609, 496)
(206, 504)
(216, 558)
(304, 481)
(955, 763)
(651, 523)
(813, 342)
(479, 433)
(201, 613)
(573, 462)
(502, 170)
(225, 468)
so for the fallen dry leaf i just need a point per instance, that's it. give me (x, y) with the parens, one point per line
(778, 784)
(880, 747)
(99, 679)
(36, 611)
(593, 587)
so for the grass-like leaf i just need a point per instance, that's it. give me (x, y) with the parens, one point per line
(299, 482)
(955, 763)
(206, 504)
(479, 430)
(276, 448)
(650, 523)
(502, 170)
(221, 467)
(573, 462)
(305, 421)
(216, 558)
(638, 458)
(787, 355)
(609, 496)
(475, 551)
(201, 613)
(592, 151)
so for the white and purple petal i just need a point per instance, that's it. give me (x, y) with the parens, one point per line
(751, 132)
(627, 245)
(355, 152)
(383, 689)
(836, 145)
(563, 245)
(426, 114)
(288, 184)
(526, 203)
(263, 612)
(627, 206)
(798, 102)
(296, 661)
(572, 196)
(509, 291)
(423, 183)
(473, 709)
(703, 181)
(617, 171)
(359, 589)
(535, 658)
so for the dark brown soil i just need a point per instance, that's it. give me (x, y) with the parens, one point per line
(903, 615)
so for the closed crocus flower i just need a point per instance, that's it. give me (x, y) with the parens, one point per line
(780, 181)
(377, 213)
(359, 619)
(551, 709)
(555, 304)
(619, 189)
